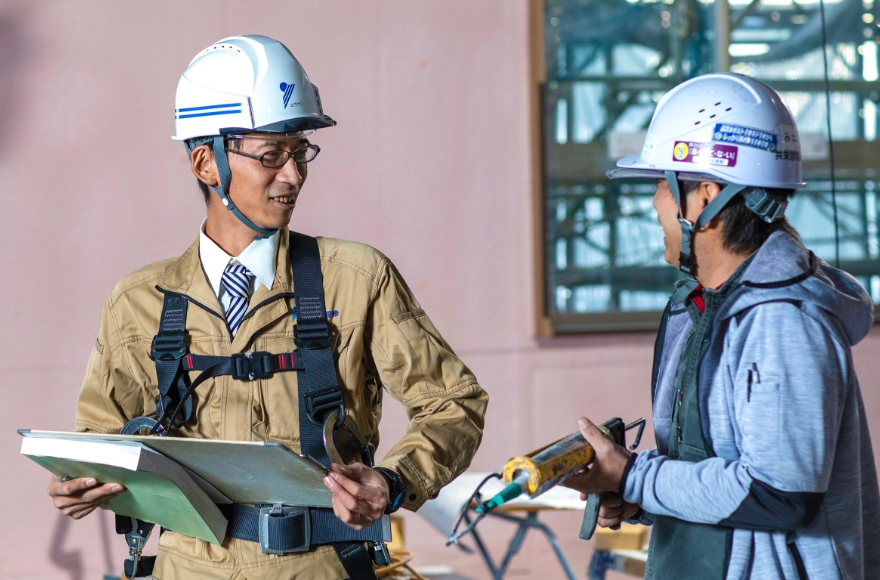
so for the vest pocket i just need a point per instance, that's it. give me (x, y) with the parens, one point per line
(683, 550)
(690, 453)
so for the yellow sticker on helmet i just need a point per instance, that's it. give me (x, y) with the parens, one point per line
(681, 151)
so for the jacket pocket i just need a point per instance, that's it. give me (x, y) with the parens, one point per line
(762, 422)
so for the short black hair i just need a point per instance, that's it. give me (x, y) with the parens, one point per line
(203, 187)
(743, 230)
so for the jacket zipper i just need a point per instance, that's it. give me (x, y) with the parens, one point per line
(189, 299)
(267, 301)
(798, 562)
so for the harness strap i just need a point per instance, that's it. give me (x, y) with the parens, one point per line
(356, 560)
(243, 367)
(168, 348)
(319, 391)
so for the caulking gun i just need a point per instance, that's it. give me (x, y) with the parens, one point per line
(540, 470)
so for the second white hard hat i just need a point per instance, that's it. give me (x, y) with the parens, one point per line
(726, 126)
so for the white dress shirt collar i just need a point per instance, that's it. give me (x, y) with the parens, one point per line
(258, 257)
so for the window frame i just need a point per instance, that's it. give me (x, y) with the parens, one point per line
(846, 153)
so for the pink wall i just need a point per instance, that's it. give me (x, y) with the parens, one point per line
(430, 163)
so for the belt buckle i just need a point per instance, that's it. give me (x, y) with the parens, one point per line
(280, 511)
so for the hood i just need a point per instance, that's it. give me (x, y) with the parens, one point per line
(784, 270)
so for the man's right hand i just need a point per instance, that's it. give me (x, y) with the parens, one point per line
(78, 498)
(613, 510)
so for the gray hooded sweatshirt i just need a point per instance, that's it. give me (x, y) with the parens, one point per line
(781, 408)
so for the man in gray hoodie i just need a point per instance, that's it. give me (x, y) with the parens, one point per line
(763, 467)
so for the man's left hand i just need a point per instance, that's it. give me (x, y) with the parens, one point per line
(606, 471)
(360, 494)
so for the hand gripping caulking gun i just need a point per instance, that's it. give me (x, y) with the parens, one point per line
(540, 470)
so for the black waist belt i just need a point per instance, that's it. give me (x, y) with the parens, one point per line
(283, 529)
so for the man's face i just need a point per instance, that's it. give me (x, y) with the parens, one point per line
(266, 196)
(667, 215)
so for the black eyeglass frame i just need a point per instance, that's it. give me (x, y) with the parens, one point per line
(286, 155)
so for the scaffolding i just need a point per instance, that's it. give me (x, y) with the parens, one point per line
(608, 62)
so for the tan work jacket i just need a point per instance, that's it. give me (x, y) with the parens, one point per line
(382, 339)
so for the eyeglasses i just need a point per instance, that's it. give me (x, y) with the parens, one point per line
(275, 159)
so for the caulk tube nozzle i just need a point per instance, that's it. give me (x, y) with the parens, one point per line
(513, 490)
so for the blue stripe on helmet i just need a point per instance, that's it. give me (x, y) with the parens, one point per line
(208, 114)
(208, 107)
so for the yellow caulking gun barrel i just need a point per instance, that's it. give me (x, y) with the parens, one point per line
(535, 473)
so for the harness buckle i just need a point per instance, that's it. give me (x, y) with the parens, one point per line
(313, 340)
(250, 366)
(322, 402)
(285, 529)
(261, 365)
(380, 554)
(241, 367)
(168, 346)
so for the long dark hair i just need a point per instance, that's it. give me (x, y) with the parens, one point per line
(743, 231)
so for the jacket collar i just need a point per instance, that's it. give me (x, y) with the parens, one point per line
(258, 258)
(185, 276)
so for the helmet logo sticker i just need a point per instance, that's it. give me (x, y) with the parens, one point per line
(287, 89)
(704, 153)
(681, 151)
(745, 136)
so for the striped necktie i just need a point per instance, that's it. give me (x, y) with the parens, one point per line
(236, 280)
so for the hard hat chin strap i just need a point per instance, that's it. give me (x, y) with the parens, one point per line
(686, 260)
(225, 175)
(218, 146)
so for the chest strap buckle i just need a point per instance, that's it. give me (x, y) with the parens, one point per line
(247, 367)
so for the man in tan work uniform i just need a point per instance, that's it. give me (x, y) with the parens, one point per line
(245, 109)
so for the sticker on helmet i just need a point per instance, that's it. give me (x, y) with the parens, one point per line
(287, 89)
(651, 141)
(704, 153)
(745, 136)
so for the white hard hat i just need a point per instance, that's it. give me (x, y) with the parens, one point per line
(725, 126)
(246, 83)
(720, 127)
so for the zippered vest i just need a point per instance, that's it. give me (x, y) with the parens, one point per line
(680, 549)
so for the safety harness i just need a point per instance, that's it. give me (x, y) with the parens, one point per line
(758, 201)
(278, 528)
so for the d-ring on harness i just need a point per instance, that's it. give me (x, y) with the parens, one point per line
(279, 529)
